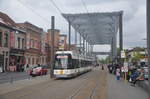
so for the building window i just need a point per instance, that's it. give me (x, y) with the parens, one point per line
(0, 38)
(23, 43)
(5, 39)
(42, 60)
(37, 61)
(33, 44)
(32, 61)
(18, 43)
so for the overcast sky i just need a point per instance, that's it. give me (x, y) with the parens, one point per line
(134, 18)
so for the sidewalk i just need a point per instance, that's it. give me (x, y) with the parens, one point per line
(123, 90)
(13, 76)
(9, 87)
(145, 85)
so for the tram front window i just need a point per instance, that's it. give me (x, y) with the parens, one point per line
(61, 62)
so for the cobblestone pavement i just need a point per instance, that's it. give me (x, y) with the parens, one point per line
(8, 77)
(96, 84)
(86, 86)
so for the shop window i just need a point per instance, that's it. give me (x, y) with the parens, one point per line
(0, 38)
(29, 61)
(6, 39)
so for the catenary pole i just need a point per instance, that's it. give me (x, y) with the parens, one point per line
(148, 36)
(120, 36)
(69, 24)
(53, 46)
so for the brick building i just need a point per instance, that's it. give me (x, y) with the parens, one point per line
(49, 42)
(56, 39)
(17, 50)
(7, 26)
(33, 53)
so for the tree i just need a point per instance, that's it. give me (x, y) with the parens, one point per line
(136, 57)
(106, 60)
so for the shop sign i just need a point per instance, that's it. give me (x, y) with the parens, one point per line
(123, 54)
(125, 67)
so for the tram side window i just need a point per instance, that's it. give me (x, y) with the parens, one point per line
(75, 63)
(70, 62)
(82, 63)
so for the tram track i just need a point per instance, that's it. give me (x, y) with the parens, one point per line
(91, 96)
(78, 93)
(24, 92)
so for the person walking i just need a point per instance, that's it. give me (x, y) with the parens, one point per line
(118, 74)
(102, 67)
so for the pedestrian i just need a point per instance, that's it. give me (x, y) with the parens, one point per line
(134, 77)
(27, 66)
(118, 74)
(22, 67)
(102, 67)
(140, 77)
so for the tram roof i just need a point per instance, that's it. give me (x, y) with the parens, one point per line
(96, 28)
(75, 55)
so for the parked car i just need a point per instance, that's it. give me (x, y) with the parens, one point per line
(38, 70)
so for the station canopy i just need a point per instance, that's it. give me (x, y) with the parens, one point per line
(96, 28)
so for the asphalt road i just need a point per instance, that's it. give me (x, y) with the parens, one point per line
(86, 86)
(10, 77)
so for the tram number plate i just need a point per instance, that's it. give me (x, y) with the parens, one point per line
(61, 72)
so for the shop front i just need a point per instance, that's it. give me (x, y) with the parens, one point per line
(17, 60)
(4, 59)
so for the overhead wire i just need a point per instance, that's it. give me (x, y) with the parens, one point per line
(55, 5)
(33, 11)
(85, 6)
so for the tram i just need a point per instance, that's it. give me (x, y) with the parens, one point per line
(70, 64)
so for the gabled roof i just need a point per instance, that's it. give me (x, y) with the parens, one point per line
(6, 20)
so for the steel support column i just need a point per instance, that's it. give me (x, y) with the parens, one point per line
(112, 54)
(88, 49)
(86, 46)
(80, 42)
(52, 47)
(69, 38)
(83, 45)
(120, 35)
(148, 36)
(75, 37)
(115, 48)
